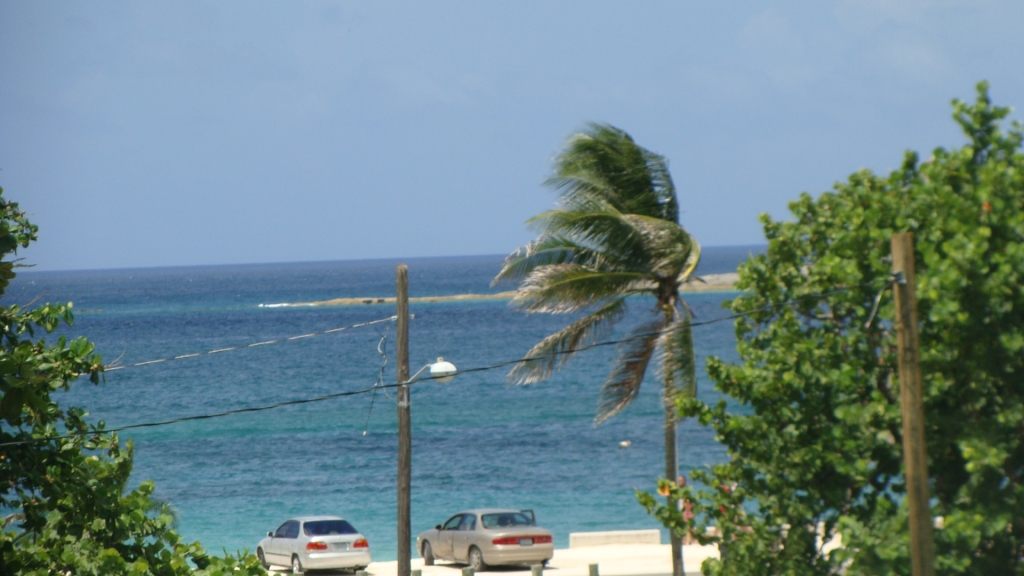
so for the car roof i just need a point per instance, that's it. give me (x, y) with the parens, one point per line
(315, 518)
(488, 511)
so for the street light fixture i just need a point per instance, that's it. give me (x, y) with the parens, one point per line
(442, 371)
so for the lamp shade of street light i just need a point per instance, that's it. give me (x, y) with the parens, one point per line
(442, 371)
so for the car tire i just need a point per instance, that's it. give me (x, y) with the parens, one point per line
(296, 565)
(262, 558)
(428, 554)
(476, 559)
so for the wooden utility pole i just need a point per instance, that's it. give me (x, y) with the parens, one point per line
(404, 423)
(915, 455)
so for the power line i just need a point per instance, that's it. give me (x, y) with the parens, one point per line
(201, 416)
(380, 386)
(111, 368)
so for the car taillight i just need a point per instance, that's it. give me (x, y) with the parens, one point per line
(316, 546)
(514, 540)
(361, 543)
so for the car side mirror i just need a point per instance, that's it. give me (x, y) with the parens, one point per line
(438, 527)
(271, 534)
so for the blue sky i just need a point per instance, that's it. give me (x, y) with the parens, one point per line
(180, 133)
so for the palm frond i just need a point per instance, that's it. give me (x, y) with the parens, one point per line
(667, 246)
(623, 384)
(691, 263)
(545, 251)
(586, 195)
(605, 161)
(677, 357)
(664, 188)
(555, 350)
(561, 288)
(607, 231)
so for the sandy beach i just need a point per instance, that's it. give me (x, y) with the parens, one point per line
(612, 560)
(710, 283)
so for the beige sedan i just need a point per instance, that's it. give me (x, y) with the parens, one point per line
(487, 537)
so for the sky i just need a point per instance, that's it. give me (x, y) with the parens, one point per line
(142, 134)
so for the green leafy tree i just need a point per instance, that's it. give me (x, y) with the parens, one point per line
(814, 444)
(63, 483)
(615, 234)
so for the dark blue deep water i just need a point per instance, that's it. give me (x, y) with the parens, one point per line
(477, 441)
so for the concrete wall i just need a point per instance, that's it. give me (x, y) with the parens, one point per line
(583, 539)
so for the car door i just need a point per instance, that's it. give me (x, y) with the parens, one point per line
(275, 548)
(291, 540)
(445, 537)
(463, 537)
(283, 544)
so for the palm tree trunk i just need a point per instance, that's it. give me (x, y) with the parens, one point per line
(671, 445)
(671, 471)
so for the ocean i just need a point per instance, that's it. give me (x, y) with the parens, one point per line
(477, 441)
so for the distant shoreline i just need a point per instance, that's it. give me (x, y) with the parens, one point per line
(712, 283)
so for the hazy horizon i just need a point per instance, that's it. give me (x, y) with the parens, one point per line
(29, 267)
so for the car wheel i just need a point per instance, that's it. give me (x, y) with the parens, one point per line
(296, 565)
(428, 554)
(476, 559)
(262, 558)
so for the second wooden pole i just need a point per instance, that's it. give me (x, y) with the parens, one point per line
(915, 454)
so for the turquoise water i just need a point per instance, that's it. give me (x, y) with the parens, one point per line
(477, 441)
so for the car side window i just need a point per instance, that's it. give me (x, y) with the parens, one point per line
(293, 530)
(468, 522)
(282, 531)
(452, 523)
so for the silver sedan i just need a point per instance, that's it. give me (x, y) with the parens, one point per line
(487, 537)
(314, 542)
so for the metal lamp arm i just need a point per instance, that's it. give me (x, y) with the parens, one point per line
(417, 374)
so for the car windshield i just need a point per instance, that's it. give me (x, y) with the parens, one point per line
(325, 527)
(503, 519)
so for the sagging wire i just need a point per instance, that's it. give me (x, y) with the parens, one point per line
(894, 278)
(112, 366)
(382, 350)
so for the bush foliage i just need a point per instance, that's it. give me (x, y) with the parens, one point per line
(813, 435)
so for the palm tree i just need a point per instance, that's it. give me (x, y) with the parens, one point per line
(614, 235)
